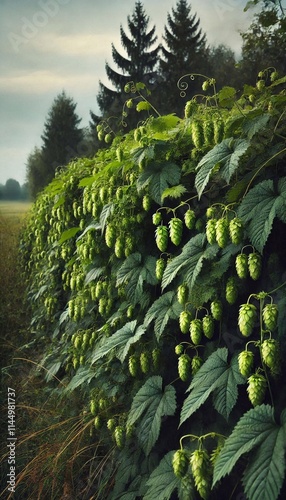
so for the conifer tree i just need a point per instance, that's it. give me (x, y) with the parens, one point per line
(185, 52)
(61, 136)
(138, 66)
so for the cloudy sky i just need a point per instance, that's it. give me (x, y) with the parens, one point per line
(47, 46)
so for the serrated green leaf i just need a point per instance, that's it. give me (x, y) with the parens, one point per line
(159, 176)
(174, 192)
(259, 208)
(263, 477)
(120, 340)
(251, 430)
(94, 274)
(83, 376)
(95, 226)
(150, 405)
(68, 234)
(134, 272)
(225, 396)
(162, 310)
(105, 213)
(226, 96)
(255, 124)
(225, 154)
(162, 481)
(216, 374)
(143, 106)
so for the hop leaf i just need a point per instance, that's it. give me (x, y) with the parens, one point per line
(246, 319)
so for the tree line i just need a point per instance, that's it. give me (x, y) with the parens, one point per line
(161, 68)
(12, 190)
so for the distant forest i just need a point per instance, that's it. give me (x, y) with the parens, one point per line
(13, 191)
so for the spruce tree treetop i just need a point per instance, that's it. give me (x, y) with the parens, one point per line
(184, 51)
(61, 135)
(141, 60)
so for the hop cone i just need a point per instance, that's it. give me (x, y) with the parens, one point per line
(254, 265)
(133, 365)
(184, 321)
(201, 468)
(246, 319)
(182, 294)
(176, 230)
(190, 219)
(160, 268)
(208, 326)
(161, 236)
(216, 310)
(146, 202)
(245, 363)
(270, 352)
(218, 131)
(222, 232)
(256, 388)
(231, 291)
(179, 349)
(156, 218)
(241, 265)
(196, 331)
(270, 315)
(156, 358)
(119, 436)
(180, 463)
(236, 230)
(208, 128)
(211, 231)
(145, 361)
(197, 134)
(196, 364)
(184, 367)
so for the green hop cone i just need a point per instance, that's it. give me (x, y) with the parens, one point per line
(179, 349)
(156, 218)
(145, 361)
(190, 219)
(146, 202)
(222, 232)
(97, 422)
(160, 268)
(211, 231)
(218, 130)
(119, 154)
(246, 319)
(182, 294)
(271, 355)
(161, 236)
(176, 230)
(216, 310)
(133, 365)
(254, 265)
(184, 367)
(245, 363)
(196, 331)
(256, 388)
(110, 235)
(197, 133)
(119, 436)
(180, 463)
(93, 407)
(190, 107)
(156, 358)
(111, 424)
(210, 213)
(196, 364)
(184, 321)
(270, 316)
(236, 231)
(208, 326)
(201, 469)
(231, 290)
(208, 129)
(119, 247)
(241, 265)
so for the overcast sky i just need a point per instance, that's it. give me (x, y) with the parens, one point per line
(47, 46)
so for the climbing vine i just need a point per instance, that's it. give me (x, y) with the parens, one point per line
(156, 277)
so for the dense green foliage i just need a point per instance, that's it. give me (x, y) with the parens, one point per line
(156, 278)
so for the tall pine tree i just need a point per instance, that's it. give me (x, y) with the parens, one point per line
(139, 65)
(185, 52)
(61, 136)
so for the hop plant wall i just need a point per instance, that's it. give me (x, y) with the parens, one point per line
(156, 274)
